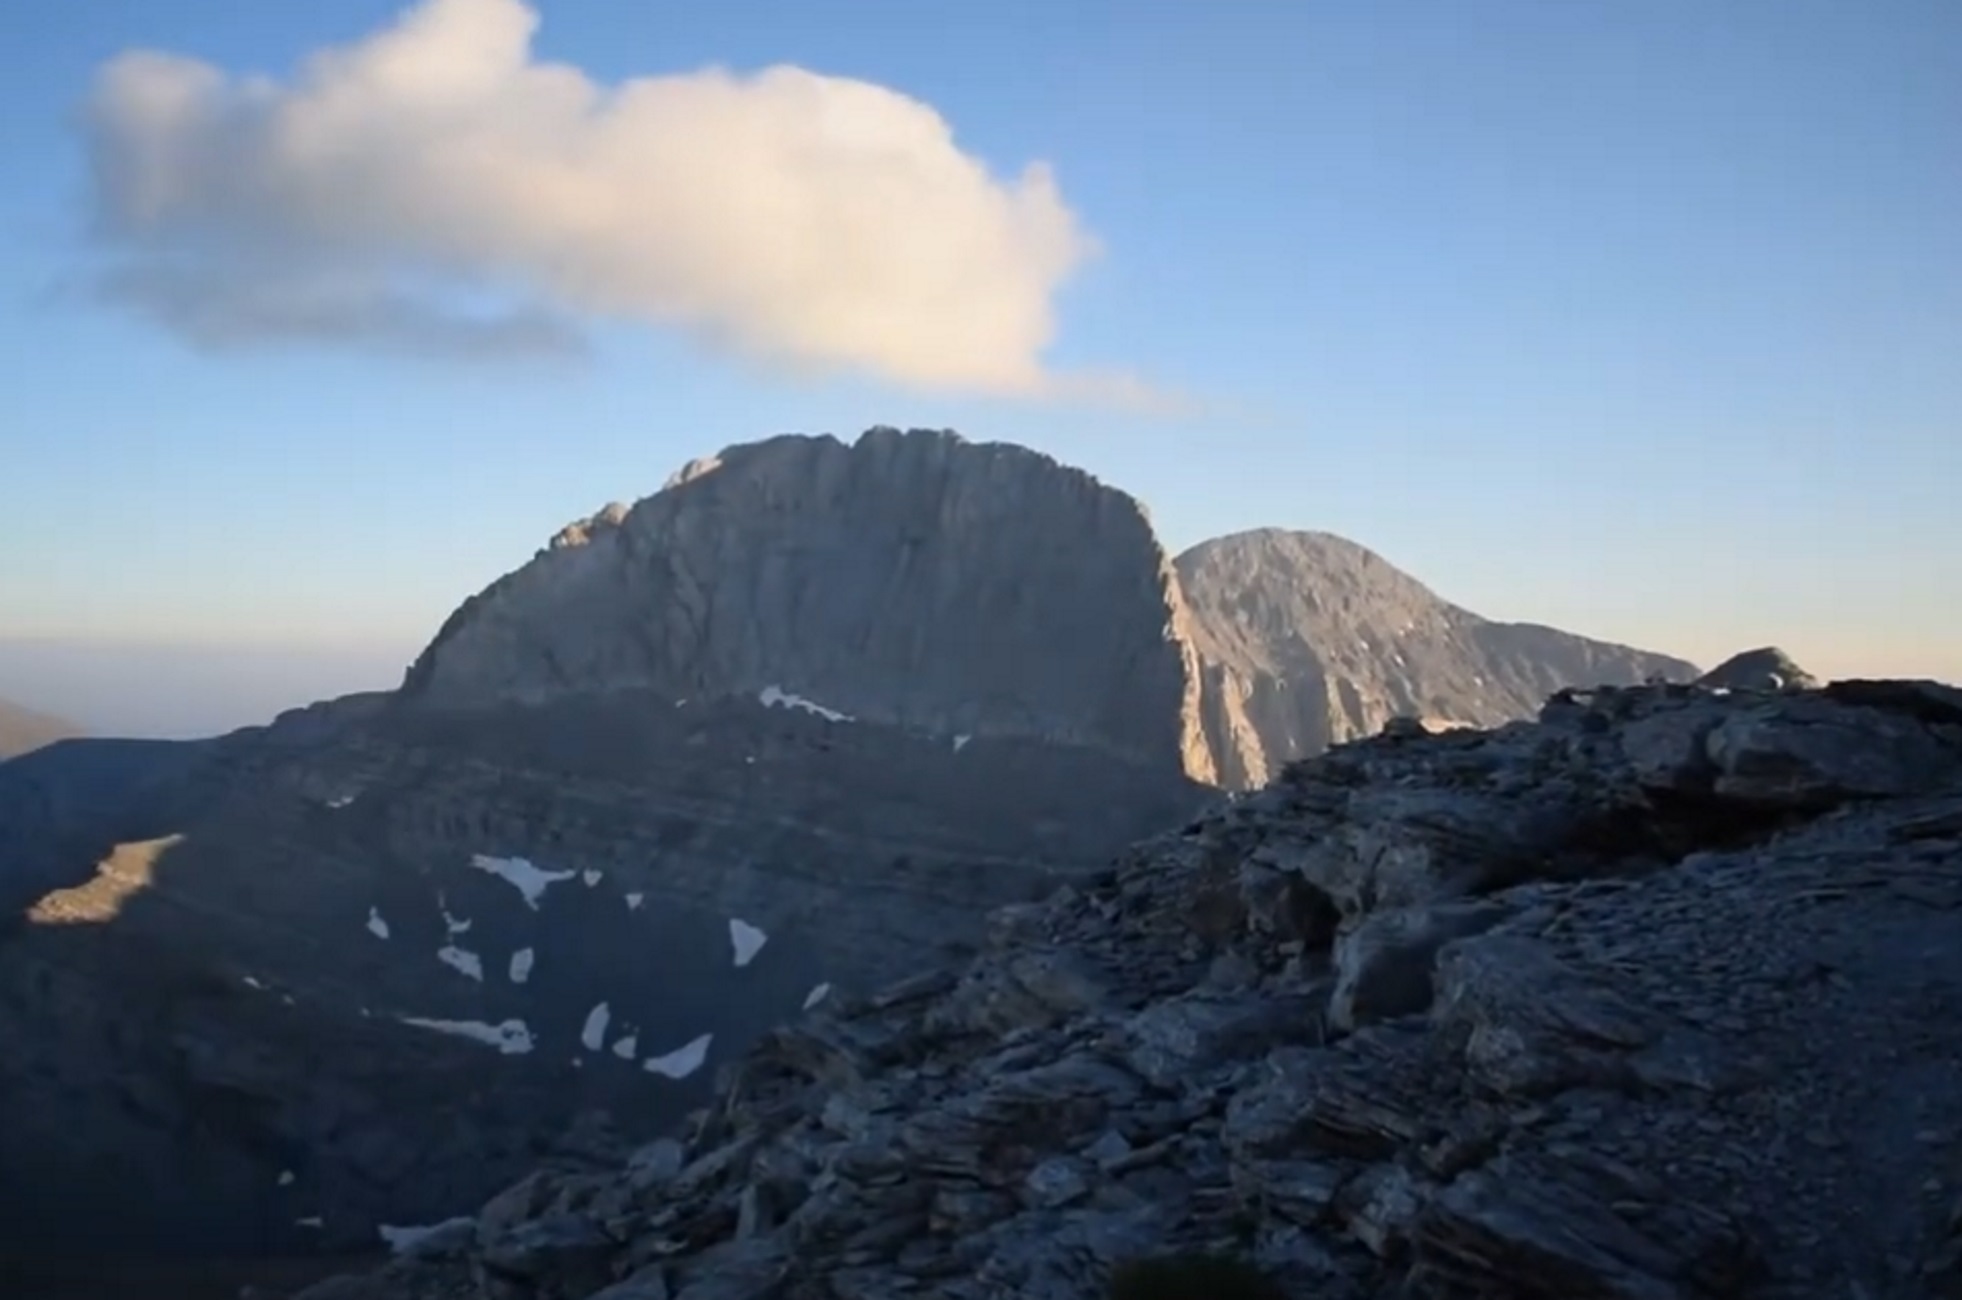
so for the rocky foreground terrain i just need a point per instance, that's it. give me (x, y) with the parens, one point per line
(780, 733)
(1656, 997)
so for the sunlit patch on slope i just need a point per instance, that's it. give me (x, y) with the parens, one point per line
(530, 881)
(591, 877)
(629, 1045)
(340, 801)
(776, 697)
(125, 873)
(376, 925)
(682, 1061)
(511, 1037)
(634, 900)
(816, 995)
(960, 742)
(521, 963)
(746, 939)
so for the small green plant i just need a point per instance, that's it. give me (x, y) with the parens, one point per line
(1191, 1276)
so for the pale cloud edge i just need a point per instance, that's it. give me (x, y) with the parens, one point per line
(817, 223)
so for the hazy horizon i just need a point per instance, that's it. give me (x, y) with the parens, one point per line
(1639, 322)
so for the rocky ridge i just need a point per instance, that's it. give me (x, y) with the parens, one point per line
(1657, 997)
(1765, 669)
(1306, 640)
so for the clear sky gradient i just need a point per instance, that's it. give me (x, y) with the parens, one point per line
(1642, 320)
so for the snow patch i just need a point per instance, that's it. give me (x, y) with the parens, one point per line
(512, 1037)
(634, 900)
(252, 983)
(521, 963)
(451, 925)
(286, 1178)
(528, 880)
(402, 1241)
(311, 1221)
(376, 925)
(960, 742)
(776, 697)
(682, 1061)
(627, 1048)
(594, 1034)
(340, 801)
(747, 940)
(461, 960)
(816, 995)
(591, 877)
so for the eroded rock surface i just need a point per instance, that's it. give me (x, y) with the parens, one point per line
(1686, 1032)
(1306, 640)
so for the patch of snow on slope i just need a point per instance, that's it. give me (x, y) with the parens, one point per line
(594, 1034)
(462, 961)
(528, 880)
(451, 925)
(403, 1241)
(816, 995)
(340, 801)
(634, 900)
(776, 697)
(521, 963)
(682, 1061)
(286, 1178)
(627, 1048)
(746, 939)
(512, 1037)
(376, 925)
(252, 983)
(591, 877)
(311, 1221)
(960, 742)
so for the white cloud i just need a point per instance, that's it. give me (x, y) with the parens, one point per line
(435, 187)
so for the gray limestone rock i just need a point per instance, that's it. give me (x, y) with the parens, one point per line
(1766, 668)
(912, 579)
(1306, 640)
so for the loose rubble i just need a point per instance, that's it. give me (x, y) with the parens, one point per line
(1656, 998)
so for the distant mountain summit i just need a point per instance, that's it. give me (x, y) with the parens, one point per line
(23, 730)
(1765, 669)
(1306, 640)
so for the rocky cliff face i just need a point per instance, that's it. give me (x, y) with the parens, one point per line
(912, 579)
(1306, 640)
(1658, 996)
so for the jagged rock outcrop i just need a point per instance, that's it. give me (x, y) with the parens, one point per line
(1668, 1003)
(23, 730)
(1765, 669)
(889, 579)
(1306, 640)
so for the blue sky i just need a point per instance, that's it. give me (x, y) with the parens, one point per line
(1640, 320)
